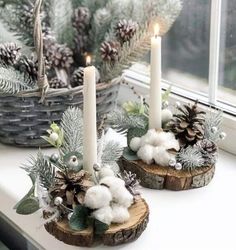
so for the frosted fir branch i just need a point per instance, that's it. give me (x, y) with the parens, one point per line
(213, 119)
(72, 126)
(122, 121)
(13, 81)
(190, 158)
(112, 151)
(40, 167)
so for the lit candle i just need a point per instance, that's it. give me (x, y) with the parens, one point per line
(155, 102)
(90, 119)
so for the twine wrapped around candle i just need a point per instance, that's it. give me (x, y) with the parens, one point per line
(42, 80)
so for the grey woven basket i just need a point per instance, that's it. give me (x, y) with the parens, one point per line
(23, 120)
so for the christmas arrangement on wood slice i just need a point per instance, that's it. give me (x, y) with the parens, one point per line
(64, 33)
(83, 195)
(168, 151)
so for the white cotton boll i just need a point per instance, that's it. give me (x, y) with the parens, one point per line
(171, 142)
(161, 156)
(135, 144)
(120, 214)
(149, 138)
(146, 153)
(103, 214)
(97, 197)
(118, 190)
(166, 115)
(105, 171)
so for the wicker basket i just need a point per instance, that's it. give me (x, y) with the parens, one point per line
(25, 116)
(23, 120)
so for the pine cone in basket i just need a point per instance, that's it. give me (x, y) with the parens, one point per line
(71, 187)
(27, 65)
(188, 124)
(125, 30)
(110, 51)
(77, 78)
(56, 83)
(9, 53)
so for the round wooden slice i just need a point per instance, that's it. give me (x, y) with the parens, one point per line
(115, 235)
(157, 177)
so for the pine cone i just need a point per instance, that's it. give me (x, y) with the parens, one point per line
(81, 19)
(209, 151)
(78, 77)
(188, 124)
(9, 52)
(125, 30)
(110, 51)
(71, 187)
(56, 83)
(131, 182)
(25, 64)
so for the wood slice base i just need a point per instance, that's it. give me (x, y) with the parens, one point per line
(157, 177)
(117, 233)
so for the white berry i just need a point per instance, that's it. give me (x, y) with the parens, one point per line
(58, 201)
(53, 136)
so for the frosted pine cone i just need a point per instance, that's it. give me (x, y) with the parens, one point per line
(78, 77)
(110, 51)
(25, 64)
(9, 53)
(125, 30)
(56, 83)
(81, 18)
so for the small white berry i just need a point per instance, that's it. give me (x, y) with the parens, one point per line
(214, 130)
(73, 162)
(165, 104)
(53, 136)
(69, 216)
(172, 162)
(58, 201)
(222, 135)
(178, 166)
(96, 167)
(177, 104)
(54, 157)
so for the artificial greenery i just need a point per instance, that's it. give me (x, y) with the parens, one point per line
(83, 26)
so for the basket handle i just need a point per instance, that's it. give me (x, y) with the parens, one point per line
(42, 80)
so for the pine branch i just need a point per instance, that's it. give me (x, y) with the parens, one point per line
(122, 121)
(213, 120)
(190, 158)
(61, 12)
(72, 126)
(131, 52)
(13, 81)
(42, 168)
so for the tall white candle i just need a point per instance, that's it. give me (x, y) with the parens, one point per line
(155, 102)
(90, 119)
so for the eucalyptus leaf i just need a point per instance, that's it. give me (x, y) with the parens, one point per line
(130, 155)
(31, 191)
(79, 218)
(100, 227)
(28, 206)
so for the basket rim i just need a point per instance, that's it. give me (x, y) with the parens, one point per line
(62, 91)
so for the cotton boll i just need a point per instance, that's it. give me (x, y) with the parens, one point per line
(166, 115)
(118, 190)
(103, 214)
(146, 153)
(97, 197)
(120, 214)
(135, 144)
(105, 171)
(171, 142)
(149, 138)
(161, 156)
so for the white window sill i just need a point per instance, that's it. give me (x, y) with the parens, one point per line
(201, 219)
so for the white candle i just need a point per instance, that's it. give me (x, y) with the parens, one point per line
(90, 119)
(155, 102)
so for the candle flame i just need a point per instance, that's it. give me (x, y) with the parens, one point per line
(88, 60)
(156, 29)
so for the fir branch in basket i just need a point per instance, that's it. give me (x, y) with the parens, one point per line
(13, 81)
(41, 167)
(72, 126)
(131, 52)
